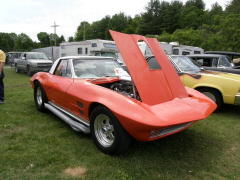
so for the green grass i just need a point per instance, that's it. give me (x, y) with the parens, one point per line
(38, 145)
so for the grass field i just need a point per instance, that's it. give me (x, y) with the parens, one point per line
(37, 146)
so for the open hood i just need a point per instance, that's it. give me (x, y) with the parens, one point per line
(154, 86)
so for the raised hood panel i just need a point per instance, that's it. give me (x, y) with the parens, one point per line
(154, 86)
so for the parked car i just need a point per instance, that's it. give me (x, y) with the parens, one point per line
(220, 87)
(11, 56)
(95, 95)
(32, 62)
(215, 62)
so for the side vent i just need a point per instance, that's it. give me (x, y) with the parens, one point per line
(80, 104)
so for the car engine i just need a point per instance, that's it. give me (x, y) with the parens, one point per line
(127, 88)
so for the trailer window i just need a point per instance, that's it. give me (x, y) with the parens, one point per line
(176, 51)
(109, 45)
(185, 53)
(79, 50)
(197, 52)
(86, 50)
(94, 44)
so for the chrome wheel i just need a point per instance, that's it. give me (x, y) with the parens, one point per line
(39, 96)
(104, 130)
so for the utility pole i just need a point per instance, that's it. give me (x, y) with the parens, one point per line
(84, 31)
(55, 26)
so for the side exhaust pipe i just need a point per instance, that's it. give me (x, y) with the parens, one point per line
(74, 125)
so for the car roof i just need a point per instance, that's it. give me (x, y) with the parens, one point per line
(205, 55)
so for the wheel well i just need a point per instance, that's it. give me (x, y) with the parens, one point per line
(34, 82)
(92, 106)
(219, 92)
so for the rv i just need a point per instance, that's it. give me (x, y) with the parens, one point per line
(171, 48)
(95, 47)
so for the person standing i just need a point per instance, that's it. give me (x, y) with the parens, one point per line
(2, 62)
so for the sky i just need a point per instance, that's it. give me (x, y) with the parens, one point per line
(34, 16)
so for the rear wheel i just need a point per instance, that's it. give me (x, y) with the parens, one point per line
(108, 134)
(213, 95)
(39, 97)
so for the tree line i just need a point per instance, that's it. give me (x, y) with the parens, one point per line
(189, 24)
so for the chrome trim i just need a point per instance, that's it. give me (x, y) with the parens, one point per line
(168, 130)
(77, 123)
(237, 99)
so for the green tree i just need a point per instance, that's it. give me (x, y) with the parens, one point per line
(149, 23)
(84, 31)
(233, 7)
(188, 37)
(119, 22)
(165, 37)
(70, 39)
(44, 39)
(7, 41)
(191, 17)
(197, 3)
(23, 43)
(100, 28)
(230, 33)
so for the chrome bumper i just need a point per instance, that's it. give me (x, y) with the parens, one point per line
(237, 99)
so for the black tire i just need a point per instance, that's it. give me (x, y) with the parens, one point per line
(16, 69)
(29, 72)
(108, 134)
(213, 95)
(40, 97)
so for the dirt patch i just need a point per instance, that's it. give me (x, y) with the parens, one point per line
(76, 172)
(9, 131)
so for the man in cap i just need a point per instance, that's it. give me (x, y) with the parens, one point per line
(2, 62)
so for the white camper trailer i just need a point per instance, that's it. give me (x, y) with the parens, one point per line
(95, 47)
(171, 48)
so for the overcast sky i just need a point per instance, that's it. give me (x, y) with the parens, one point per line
(34, 16)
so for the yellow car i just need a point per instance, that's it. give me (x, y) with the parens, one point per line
(220, 87)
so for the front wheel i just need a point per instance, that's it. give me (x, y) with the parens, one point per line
(213, 95)
(108, 134)
(17, 70)
(29, 71)
(39, 97)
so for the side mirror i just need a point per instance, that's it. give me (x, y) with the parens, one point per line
(200, 62)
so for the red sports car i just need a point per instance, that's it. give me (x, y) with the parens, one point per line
(95, 95)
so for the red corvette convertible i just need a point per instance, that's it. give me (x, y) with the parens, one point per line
(95, 95)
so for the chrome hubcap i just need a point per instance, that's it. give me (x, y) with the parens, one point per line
(39, 96)
(104, 130)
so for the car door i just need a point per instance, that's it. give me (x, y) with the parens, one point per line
(59, 82)
(20, 61)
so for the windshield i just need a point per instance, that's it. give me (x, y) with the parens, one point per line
(37, 56)
(224, 62)
(184, 63)
(97, 69)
